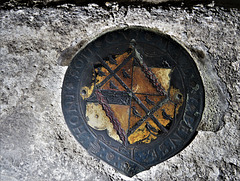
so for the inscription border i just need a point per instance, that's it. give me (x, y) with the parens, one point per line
(139, 159)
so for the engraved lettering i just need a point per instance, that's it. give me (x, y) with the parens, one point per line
(69, 86)
(152, 155)
(87, 54)
(164, 150)
(187, 69)
(191, 108)
(183, 129)
(147, 156)
(74, 120)
(189, 121)
(79, 131)
(176, 140)
(151, 100)
(69, 98)
(71, 106)
(94, 147)
(74, 73)
(79, 64)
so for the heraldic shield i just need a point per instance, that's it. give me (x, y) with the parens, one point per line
(133, 98)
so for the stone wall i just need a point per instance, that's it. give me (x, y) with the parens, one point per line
(35, 141)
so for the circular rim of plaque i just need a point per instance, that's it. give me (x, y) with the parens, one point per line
(133, 97)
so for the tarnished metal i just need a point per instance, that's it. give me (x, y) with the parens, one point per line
(133, 98)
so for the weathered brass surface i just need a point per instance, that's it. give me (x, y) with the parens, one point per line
(133, 98)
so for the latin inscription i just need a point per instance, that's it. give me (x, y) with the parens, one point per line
(137, 156)
(94, 147)
(174, 141)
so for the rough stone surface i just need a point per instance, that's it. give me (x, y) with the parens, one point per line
(49, 2)
(35, 142)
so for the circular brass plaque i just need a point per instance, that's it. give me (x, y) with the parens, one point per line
(133, 98)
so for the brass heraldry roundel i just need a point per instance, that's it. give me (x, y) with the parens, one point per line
(133, 98)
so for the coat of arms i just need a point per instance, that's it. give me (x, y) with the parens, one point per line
(133, 98)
